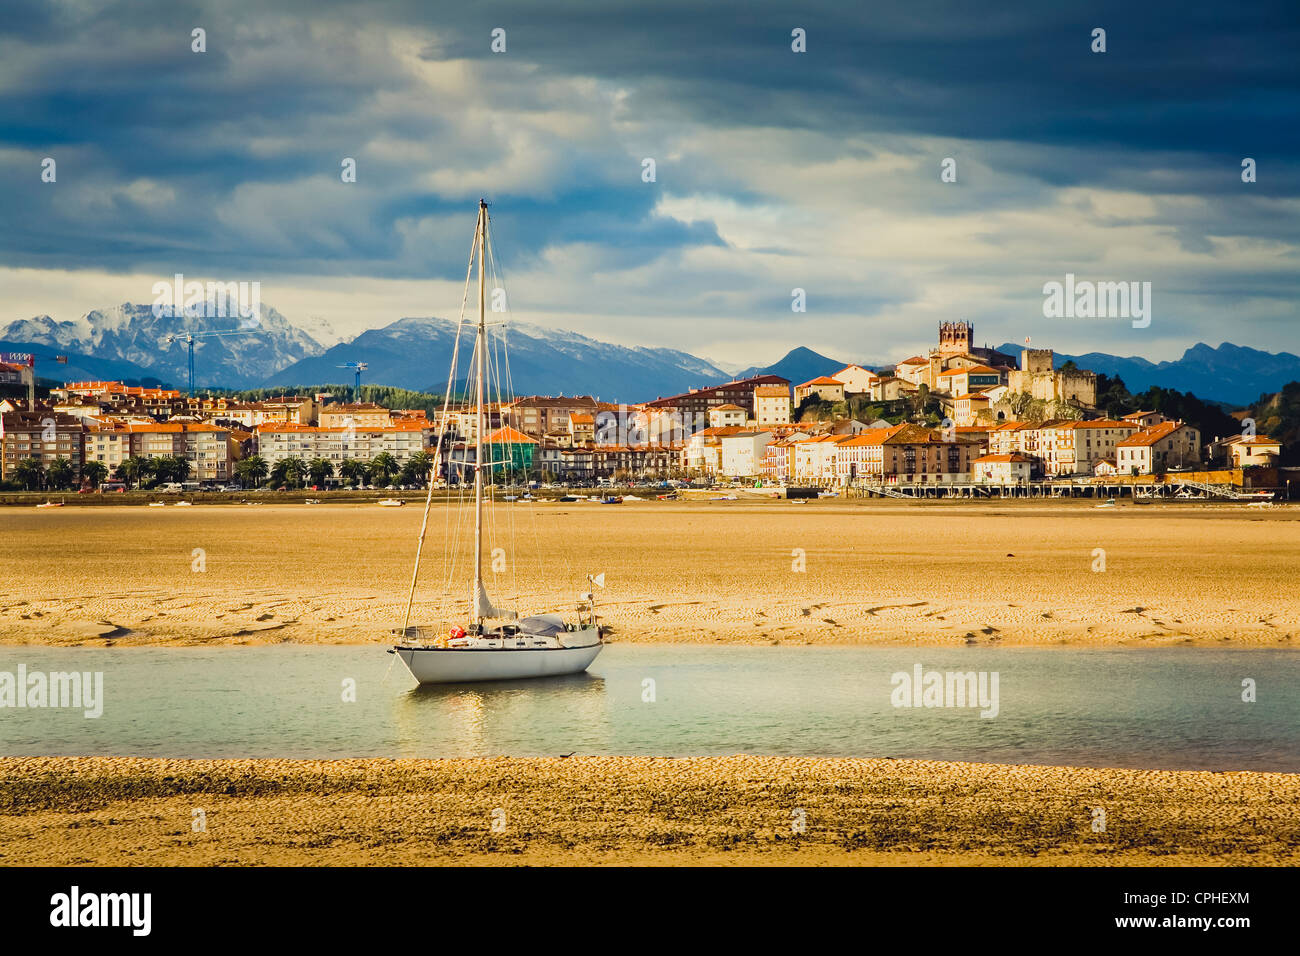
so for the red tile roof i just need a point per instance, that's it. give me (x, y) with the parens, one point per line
(1149, 436)
(821, 380)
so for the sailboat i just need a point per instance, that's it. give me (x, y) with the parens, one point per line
(491, 643)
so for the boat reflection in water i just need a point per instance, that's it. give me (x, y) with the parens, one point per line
(487, 718)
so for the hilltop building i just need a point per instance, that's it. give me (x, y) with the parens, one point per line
(1039, 379)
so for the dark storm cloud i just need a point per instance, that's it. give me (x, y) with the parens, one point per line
(229, 160)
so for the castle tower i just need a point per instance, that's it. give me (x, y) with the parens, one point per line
(1037, 361)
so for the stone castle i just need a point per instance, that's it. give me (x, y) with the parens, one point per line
(1038, 379)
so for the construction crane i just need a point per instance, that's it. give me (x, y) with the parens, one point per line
(357, 367)
(189, 339)
(29, 359)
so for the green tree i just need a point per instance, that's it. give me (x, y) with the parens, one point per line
(129, 471)
(319, 469)
(353, 471)
(421, 463)
(94, 472)
(60, 474)
(252, 471)
(30, 473)
(383, 467)
(146, 472)
(296, 470)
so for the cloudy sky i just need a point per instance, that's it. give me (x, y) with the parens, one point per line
(775, 170)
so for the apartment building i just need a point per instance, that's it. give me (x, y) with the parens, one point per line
(915, 454)
(210, 449)
(540, 415)
(692, 407)
(401, 439)
(43, 435)
(359, 414)
(1069, 449)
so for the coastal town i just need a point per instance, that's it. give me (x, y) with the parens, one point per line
(960, 419)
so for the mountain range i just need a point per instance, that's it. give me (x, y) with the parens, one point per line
(416, 353)
(1230, 373)
(130, 342)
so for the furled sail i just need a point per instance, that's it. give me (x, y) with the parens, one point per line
(483, 606)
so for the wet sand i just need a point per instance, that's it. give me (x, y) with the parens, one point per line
(593, 810)
(820, 572)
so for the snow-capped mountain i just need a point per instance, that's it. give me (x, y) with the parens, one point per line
(416, 353)
(320, 330)
(132, 333)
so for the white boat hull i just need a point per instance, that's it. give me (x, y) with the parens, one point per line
(456, 665)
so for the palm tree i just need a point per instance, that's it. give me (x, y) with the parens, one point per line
(382, 468)
(319, 469)
(420, 464)
(60, 474)
(352, 471)
(147, 471)
(252, 470)
(295, 471)
(133, 470)
(30, 473)
(94, 472)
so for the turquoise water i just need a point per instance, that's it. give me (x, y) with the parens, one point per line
(1176, 708)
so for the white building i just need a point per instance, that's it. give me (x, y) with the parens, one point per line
(1166, 445)
(814, 459)
(727, 416)
(281, 440)
(771, 405)
(1001, 469)
(742, 453)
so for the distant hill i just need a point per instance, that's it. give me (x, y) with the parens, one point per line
(799, 365)
(1230, 373)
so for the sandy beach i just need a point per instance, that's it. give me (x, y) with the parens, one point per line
(593, 810)
(821, 572)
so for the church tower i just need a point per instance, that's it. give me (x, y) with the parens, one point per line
(956, 338)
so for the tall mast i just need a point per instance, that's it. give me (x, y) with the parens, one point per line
(481, 352)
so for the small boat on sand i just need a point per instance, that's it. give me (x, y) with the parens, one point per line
(50, 504)
(1108, 503)
(391, 503)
